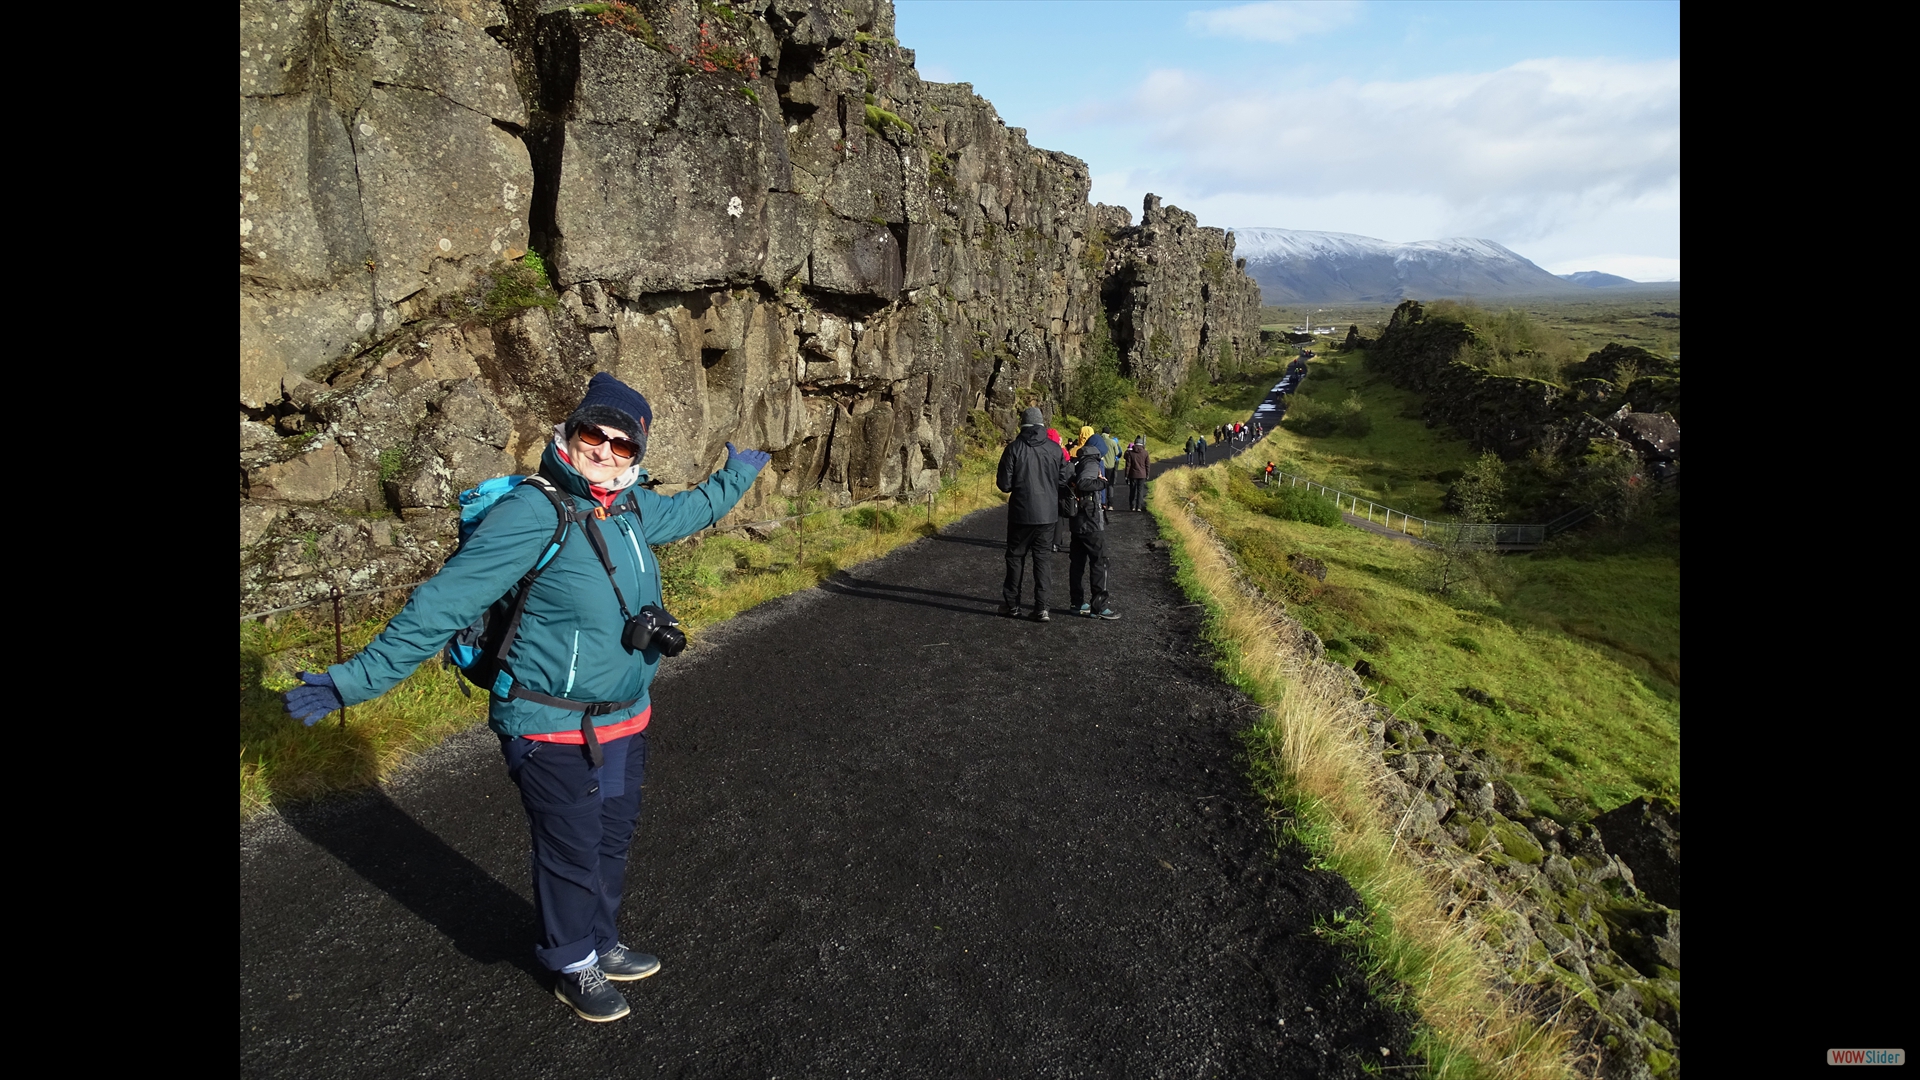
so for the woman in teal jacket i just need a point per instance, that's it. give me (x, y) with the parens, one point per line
(571, 715)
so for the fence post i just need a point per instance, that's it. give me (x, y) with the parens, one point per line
(339, 651)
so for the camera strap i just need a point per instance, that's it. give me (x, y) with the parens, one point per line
(599, 544)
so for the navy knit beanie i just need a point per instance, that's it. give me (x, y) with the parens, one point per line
(614, 404)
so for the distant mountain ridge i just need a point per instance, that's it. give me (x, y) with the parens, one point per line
(1594, 279)
(1296, 266)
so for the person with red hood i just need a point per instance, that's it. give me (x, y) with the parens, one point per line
(1061, 538)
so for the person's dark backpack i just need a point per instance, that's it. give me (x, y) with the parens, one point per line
(1073, 501)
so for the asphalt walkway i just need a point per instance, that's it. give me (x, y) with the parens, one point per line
(887, 833)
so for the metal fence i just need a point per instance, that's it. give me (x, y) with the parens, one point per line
(1489, 535)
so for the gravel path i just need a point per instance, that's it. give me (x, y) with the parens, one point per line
(887, 833)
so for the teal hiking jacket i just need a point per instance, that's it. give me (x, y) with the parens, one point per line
(569, 640)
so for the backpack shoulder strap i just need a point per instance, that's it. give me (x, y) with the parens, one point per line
(564, 521)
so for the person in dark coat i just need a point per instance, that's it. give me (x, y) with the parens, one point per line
(1031, 470)
(1088, 560)
(1137, 467)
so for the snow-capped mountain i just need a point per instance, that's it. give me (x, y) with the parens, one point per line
(1295, 266)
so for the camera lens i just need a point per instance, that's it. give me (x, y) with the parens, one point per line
(670, 640)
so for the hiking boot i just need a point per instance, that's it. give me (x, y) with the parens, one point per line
(1084, 609)
(1040, 615)
(623, 965)
(1108, 614)
(1011, 611)
(589, 993)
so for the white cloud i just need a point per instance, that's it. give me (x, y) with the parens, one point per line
(1521, 154)
(1281, 20)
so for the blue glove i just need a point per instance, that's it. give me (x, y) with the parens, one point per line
(314, 698)
(754, 459)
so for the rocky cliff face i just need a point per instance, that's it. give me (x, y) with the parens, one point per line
(1178, 297)
(759, 215)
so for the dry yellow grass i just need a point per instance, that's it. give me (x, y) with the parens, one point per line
(1312, 757)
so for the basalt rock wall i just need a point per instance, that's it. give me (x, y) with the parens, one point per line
(1619, 394)
(1178, 298)
(758, 214)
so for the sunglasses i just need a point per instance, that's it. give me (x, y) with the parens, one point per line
(593, 436)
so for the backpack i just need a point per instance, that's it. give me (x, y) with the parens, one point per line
(1072, 500)
(479, 652)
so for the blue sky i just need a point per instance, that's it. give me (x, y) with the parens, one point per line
(1552, 128)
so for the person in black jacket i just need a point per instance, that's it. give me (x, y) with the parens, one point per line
(1033, 472)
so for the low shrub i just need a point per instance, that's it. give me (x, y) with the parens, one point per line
(1299, 504)
(873, 517)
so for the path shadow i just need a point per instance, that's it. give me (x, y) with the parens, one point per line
(845, 584)
(974, 541)
(486, 921)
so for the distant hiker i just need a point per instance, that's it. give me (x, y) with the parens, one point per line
(1033, 475)
(1189, 450)
(1200, 448)
(1266, 477)
(568, 552)
(1058, 540)
(1089, 525)
(1137, 468)
(1109, 457)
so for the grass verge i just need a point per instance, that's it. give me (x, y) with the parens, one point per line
(1312, 760)
(1580, 727)
(707, 579)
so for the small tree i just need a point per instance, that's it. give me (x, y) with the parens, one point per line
(1481, 490)
(1098, 388)
(1354, 421)
(1463, 550)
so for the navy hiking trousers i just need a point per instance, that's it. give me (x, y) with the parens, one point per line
(582, 820)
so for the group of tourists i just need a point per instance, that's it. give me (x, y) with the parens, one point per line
(1196, 449)
(1058, 486)
(1233, 433)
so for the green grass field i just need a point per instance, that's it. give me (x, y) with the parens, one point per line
(1400, 462)
(1580, 728)
(1576, 646)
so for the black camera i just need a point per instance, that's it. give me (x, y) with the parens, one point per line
(654, 629)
